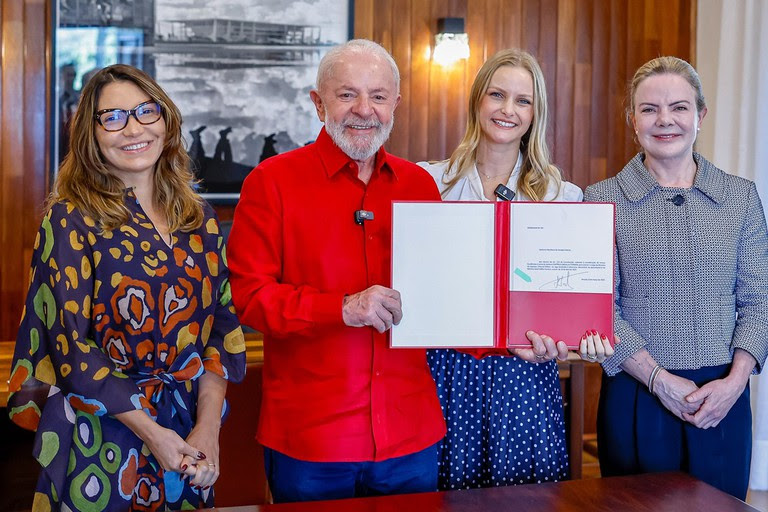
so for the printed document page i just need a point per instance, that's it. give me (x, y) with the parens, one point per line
(443, 267)
(561, 247)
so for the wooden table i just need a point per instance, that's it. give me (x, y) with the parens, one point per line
(659, 492)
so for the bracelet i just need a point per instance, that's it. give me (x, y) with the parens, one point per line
(652, 378)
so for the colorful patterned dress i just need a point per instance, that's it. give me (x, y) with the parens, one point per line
(113, 322)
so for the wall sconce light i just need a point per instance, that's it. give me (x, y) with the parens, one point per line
(451, 42)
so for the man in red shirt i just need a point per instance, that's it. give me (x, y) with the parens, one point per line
(309, 253)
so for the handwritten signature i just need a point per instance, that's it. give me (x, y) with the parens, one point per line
(561, 282)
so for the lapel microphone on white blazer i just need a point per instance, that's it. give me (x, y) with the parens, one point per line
(504, 193)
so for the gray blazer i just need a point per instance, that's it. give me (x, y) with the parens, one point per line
(691, 267)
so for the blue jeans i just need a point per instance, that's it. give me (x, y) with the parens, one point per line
(297, 480)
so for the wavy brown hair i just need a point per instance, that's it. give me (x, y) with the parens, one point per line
(537, 170)
(84, 180)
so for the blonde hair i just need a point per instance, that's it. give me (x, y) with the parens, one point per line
(84, 180)
(663, 66)
(537, 172)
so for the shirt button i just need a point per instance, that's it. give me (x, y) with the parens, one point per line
(378, 373)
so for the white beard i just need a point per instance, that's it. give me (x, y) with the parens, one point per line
(360, 147)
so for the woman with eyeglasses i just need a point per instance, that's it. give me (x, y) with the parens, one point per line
(128, 317)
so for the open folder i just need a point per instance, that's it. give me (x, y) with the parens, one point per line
(482, 274)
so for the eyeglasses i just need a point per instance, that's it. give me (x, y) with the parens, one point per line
(115, 119)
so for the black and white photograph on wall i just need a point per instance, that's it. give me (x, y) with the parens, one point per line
(239, 70)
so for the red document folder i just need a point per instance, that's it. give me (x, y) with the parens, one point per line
(450, 300)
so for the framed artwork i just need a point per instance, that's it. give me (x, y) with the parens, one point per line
(240, 71)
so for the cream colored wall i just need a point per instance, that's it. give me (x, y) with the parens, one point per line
(707, 58)
(733, 65)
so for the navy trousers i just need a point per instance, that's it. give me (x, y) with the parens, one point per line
(637, 434)
(297, 480)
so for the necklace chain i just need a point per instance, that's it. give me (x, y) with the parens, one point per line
(489, 177)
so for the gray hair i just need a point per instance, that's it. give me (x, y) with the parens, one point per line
(325, 69)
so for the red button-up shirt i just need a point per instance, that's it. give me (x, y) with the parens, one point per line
(332, 393)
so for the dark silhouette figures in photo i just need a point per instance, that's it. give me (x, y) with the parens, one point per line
(196, 150)
(223, 150)
(269, 147)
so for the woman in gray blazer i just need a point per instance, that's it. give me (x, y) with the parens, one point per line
(691, 295)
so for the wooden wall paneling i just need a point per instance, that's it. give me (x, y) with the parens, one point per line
(668, 26)
(422, 39)
(383, 21)
(564, 88)
(36, 106)
(439, 90)
(531, 27)
(475, 26)
(3, 297)
(401, 51)
(457, 89)
(601, 98)
(617, 88)
(688, 15)
(11, 163)
(2, 75)
(546, 54)
(494, 27)
(652, 18)
(512, 24)
(23, 144)
(364, 19)
(636, 54)
(446, 105)
(582, 95)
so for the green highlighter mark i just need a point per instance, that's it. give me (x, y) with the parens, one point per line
(522, 275)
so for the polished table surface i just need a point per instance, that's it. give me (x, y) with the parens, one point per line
(659, 492)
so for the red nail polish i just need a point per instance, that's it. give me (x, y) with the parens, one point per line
(184, 467)
(201, 456)
(594, 333)
(206, 487)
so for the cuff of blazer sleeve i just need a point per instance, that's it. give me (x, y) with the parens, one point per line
(753, 342)
(327, 309)
(631, 342)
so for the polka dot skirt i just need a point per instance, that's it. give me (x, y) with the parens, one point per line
(505, 421)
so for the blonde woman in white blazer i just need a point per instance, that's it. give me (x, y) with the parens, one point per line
(504, 414)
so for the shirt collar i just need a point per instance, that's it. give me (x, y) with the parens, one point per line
(637, 182)
(335, 160)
